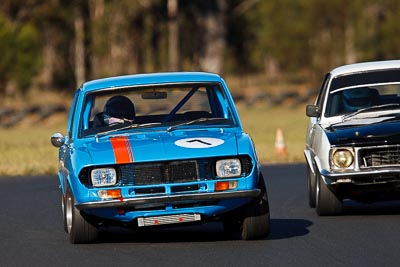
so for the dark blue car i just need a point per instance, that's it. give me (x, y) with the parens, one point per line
(353, 136)
(152, 150)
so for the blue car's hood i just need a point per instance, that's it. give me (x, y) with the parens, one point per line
(160, 146)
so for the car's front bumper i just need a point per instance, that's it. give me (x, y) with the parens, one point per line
(362, 176)
(365, 185)
(172, 199)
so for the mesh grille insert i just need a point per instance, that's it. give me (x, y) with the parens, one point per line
(160, 173)
(380, 156)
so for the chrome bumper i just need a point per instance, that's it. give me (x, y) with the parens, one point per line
(362, 177)
(126, 202)
(369, 172)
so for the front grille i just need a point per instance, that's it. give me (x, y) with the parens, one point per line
(168, 172)
(159, 173)
(380, 156)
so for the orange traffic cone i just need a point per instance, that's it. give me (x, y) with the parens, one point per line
(280, 146)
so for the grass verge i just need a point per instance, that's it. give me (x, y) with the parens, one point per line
(26, 149)
(261, 122)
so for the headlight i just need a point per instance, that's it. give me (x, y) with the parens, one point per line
(103, 177)
(228, 168)
(342, 158)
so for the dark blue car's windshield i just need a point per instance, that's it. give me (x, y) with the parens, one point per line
(165, 105)
(349, 94)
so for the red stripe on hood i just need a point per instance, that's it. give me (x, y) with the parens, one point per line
(122, 149)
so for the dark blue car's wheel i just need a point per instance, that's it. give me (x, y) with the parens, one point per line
(79, 229)
(256, 222)
(312, 188)
(327, 202)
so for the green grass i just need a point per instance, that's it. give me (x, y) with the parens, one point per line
(26, 149)
(261, 122)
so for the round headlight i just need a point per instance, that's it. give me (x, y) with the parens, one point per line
(342, 158)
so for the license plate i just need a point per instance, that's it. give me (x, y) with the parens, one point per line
(168, 219)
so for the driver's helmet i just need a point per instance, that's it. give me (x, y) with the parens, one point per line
(118, 109)
(357, 98)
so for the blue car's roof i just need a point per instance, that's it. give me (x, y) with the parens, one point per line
(152, 78)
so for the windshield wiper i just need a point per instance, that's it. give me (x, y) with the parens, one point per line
(170, 128)
(385, 106)
(131, 126)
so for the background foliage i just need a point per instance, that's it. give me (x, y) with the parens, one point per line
(58, 44)
(265, 49)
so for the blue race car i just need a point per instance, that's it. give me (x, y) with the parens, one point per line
(152, 150)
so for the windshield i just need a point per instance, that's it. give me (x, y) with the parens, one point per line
(370, 91)
(135, 108)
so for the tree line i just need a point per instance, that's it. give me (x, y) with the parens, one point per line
(58, 44)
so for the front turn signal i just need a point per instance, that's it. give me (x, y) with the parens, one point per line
(109, 194)
(225, 185)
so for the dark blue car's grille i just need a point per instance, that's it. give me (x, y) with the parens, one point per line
(380, 156)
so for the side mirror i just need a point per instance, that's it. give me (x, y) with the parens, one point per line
(312, 111)
(57, 139)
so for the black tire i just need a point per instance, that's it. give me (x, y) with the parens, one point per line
(63, 197)
(312, 188)
(327, 203)
(79, 229)
(256, 221)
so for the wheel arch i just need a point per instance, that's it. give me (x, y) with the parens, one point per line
(313, 162)
(309, 160)
(315, 165)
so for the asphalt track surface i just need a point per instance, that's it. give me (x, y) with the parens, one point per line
(31, 232)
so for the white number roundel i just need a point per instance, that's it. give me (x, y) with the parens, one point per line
(199, 142)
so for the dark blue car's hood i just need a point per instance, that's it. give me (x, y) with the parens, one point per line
(384, 131)
(161, 146)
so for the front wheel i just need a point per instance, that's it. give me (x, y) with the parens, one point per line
(79, 229)
(312, 188)
(327, 202)
(64, 212)
(256, 221)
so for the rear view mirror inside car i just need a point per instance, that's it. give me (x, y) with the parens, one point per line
(154, 95)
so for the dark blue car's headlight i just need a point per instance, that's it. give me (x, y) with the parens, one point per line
(342, 158)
